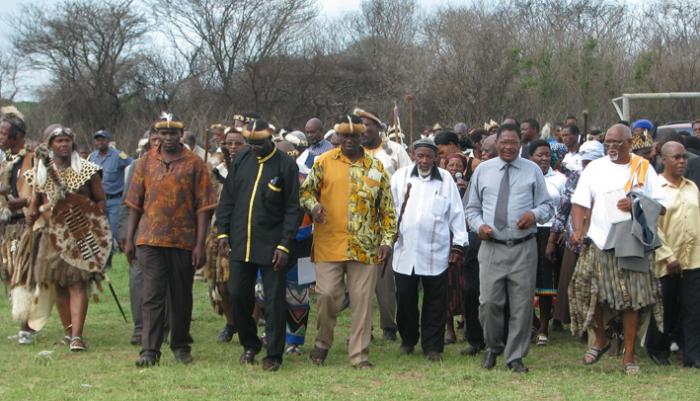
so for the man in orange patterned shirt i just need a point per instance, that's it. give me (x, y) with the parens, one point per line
(171, 196)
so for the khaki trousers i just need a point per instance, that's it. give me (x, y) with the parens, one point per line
(330, 286)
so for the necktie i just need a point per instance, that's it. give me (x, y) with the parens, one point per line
(501, 218)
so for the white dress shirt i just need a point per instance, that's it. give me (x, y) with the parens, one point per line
(392, 155)
(556, 182)
(433, 211)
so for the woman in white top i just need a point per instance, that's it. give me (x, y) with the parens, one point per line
(547, 272)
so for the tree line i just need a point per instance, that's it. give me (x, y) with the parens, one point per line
(116, 64)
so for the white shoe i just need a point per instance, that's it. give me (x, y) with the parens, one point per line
(25, 337)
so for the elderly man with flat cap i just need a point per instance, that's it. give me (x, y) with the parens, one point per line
(432, 234)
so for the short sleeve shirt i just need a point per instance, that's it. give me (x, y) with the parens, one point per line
(170, 195)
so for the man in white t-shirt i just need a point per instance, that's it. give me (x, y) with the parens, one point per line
(599, 280)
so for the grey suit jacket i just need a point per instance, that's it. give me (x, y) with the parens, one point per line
(634, 239)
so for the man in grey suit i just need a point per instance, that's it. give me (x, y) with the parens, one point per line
(508, 195)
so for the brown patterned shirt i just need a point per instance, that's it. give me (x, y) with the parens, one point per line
(170, 195)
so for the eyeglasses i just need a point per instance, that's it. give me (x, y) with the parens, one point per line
(237, 143)
(613, 144)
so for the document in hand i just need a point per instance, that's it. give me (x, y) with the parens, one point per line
(610, 200)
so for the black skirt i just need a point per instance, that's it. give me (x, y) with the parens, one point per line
(547, 272)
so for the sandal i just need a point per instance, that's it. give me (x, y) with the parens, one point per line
(542, 340)
(595, 353)
(64, 341)
(77, 344)
(632, 369)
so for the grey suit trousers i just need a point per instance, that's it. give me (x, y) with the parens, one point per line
(510, 270)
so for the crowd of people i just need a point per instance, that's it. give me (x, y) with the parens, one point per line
(598, 230)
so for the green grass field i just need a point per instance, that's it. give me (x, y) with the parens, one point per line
(106, 370)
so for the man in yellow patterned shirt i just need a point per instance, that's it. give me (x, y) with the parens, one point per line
(348, 194)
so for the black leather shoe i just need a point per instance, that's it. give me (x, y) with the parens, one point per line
(226, 335)
(389, 335)
(433, 356)
(146, 361)
(183, 356)
(271, 365)
(489, 360)
(471, 350)
(248, 357)
(517, 366)
(660, 360)
(406, 349)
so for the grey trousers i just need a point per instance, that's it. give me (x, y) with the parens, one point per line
(386, 298)
(512, 271)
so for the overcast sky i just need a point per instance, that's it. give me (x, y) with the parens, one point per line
(31, 80)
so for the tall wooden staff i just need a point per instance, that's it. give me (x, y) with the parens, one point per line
(206, 145)
(585, 125)
(409, 99)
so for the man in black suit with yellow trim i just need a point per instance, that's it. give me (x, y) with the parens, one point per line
(258, 216)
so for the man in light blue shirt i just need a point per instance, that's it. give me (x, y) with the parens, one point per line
(507, 197)
(113, 163)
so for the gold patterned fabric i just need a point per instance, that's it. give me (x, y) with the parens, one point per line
(359, 209)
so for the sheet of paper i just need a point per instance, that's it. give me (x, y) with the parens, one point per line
(306, 271)
(610, 200)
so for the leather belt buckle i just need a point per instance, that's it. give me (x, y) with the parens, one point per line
(510, 243)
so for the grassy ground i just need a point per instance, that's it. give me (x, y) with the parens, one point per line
(106, 371)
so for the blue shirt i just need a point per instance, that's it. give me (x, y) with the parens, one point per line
(113, 165)
(528, 192)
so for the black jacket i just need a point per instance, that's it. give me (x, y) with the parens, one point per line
(259, 206)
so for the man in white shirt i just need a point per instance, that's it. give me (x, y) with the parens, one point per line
(430, 213)
(393, 157)
(571, 137)
(599, 282)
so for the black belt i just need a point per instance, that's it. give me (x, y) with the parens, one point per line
(117, 195)
(512, 242)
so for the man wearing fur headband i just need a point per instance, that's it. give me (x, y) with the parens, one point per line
(15, 195)
(61, 180)
(394, 157)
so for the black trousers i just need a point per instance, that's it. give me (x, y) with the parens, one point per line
(241, 288)
(681, 296)
(433, 317)
(470, 294)
(166, 269)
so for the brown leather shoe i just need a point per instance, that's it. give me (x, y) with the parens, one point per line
(318, 356)
(363, 365)
(271, 365)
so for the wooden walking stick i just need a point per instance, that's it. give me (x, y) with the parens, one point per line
(585, 125)
(206, 145)
(398, 224)
(409, 99)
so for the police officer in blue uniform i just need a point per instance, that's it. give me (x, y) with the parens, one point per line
(113, 163)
